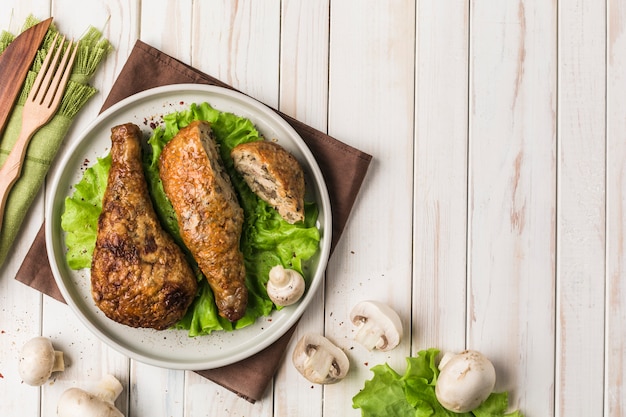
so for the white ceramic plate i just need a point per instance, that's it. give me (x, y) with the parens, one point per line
(174, 349)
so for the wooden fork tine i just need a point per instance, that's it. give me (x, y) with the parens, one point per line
(41, 104)
(62, 75)
(52, 69)
(44, 75)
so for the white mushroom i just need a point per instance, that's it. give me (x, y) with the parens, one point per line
(285, 286)
(76, 402)
(379, 326)
(445, 359)
(38, 360)
(465, 381)
(319, 360)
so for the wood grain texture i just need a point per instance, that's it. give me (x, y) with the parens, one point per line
(21, 312)
(238, 43)
(581, 222)
(615, 286)
(371, 106)
(177, 17)
(304, 61)
(16, 62)
(512, 196)
(492, 216)
(303, 94)
(440, 173)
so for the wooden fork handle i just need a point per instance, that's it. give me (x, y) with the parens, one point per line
(12, 169)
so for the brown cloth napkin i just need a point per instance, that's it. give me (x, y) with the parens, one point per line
(343, 167)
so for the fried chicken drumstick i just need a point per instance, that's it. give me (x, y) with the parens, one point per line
(208, 213)
(139, 276)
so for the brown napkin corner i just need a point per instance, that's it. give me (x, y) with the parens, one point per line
(343, 167)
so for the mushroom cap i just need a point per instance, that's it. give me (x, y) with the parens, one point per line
(76, 402)
(285, 286)
(379, 325)
(465, 381)
(37, 361)
(319, 360)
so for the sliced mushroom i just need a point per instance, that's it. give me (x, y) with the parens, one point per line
(38, 360)
(319, 360)
(379, 326)
(465, 381)
(285, 286)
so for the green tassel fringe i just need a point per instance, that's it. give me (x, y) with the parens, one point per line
(30, 22)
(75, 97)
(28, 84)
(5, 39)
(92, 49)
(47, 141)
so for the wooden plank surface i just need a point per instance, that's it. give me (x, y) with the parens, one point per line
(512, 196)
(440, 172)
(492, 216)
(304, 44)
(371, 106)
(581, 222)
(615, 272)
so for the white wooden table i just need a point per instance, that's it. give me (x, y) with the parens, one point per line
(492, 217)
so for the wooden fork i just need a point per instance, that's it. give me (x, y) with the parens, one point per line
(41, 104)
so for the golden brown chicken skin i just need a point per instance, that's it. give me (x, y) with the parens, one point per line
(139, 276)
(208, 213)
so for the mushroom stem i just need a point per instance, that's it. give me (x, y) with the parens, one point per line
(108, 389)
(319, 364)
(319, 360)
(445, 359)
(279, 276)
(76, 402)
(371, 335)
(59, 362)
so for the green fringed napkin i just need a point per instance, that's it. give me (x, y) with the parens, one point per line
(46, 142)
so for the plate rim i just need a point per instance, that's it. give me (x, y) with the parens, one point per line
(264, 111)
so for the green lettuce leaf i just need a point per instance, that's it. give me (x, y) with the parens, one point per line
(80, 218)
(267, 240)
(389, 394)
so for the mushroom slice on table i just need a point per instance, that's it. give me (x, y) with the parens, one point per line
(38, 360)
(319, 360)
(379, 326)
(465, 381)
